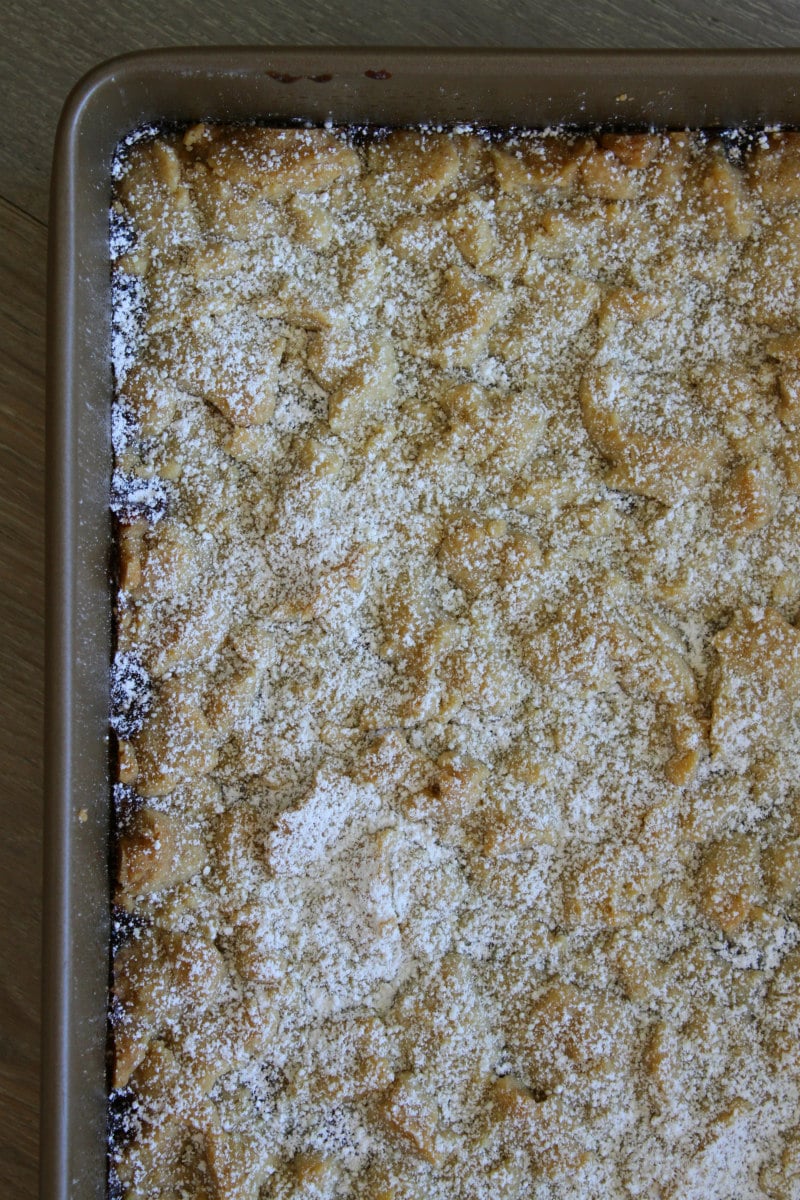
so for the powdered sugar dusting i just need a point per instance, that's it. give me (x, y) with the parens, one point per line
(458, 669)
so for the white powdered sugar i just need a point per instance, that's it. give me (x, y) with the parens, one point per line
(458, 666)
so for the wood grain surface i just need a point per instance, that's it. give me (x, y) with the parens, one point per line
(22, 253)
(46, 47)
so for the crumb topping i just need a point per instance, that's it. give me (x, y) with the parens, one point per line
(457, 684)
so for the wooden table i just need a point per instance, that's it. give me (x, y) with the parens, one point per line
(46, 48)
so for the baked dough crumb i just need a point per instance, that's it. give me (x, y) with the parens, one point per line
(458, 666)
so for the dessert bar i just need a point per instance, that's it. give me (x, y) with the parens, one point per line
(457, 675)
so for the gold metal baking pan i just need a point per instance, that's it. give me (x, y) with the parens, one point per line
(374, 86)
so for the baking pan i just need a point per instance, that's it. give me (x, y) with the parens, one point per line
(376, 86)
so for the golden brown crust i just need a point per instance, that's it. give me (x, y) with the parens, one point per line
(458, 666)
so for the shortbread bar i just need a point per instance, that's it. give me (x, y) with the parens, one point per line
(457, 671)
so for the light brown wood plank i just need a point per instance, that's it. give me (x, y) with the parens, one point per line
(22, 275)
